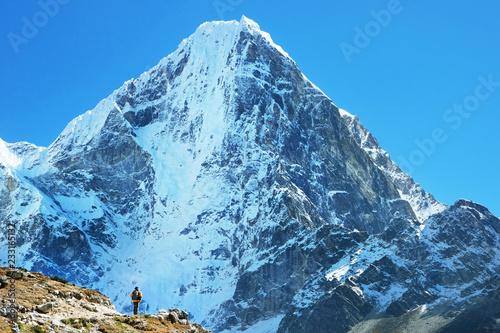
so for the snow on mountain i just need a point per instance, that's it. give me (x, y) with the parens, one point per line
(8, 158)
(224, 182)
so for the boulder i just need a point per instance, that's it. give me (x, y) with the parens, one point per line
(180, 313)
(89, 307)
(4, 282)
(173, 317)
(16, 275)
(45, 308)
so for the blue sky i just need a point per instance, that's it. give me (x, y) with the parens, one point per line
(422, 76)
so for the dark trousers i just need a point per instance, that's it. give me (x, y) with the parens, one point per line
(136, 307)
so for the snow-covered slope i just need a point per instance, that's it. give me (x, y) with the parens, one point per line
(224, 182)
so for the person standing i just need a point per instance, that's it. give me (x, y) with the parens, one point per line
(136, 299)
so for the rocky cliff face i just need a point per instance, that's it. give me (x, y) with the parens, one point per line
(435, 278)
(225, 182)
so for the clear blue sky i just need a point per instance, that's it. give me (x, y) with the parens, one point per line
(423, 76)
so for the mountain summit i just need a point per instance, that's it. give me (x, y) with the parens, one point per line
(223, 181)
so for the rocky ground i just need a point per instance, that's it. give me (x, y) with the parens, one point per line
(50, 304)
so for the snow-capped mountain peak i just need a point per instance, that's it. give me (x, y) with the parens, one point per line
(223, 181)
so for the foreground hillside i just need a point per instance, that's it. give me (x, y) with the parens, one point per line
(52, 305)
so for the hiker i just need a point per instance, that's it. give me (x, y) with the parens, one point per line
(136, 299)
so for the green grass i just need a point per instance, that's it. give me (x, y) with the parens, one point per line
(58, 279)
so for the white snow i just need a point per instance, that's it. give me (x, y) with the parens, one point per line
(255, 27)
(7, 158)
(385, 298)
(338, 273)
(356, 263)
(264, 326)
(86, 126)
(344, 113)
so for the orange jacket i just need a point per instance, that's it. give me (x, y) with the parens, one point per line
(137, 300)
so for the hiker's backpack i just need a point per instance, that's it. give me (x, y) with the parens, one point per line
(136, 296)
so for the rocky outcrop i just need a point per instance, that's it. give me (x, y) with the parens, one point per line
(53, 305)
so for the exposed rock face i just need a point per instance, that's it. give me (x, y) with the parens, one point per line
(225, 182)
(448, 265)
